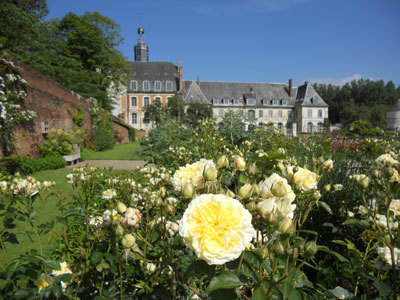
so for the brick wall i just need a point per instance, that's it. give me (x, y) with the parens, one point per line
(122, 128)
(53, 103)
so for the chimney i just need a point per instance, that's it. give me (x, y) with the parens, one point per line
(180, 76)
(290, 88)
(306, 82)
(198, 81)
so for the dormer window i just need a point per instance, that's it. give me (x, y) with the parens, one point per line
(157, 86)
(214, 101)
(169, 85)
(235, 101)
(146, 85)
(284, 102)
(133, 85)
(264, 102)
(314, 100)
(250, 101)
(225, 101)
(274, 102)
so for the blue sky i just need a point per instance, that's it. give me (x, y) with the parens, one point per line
(327, 41)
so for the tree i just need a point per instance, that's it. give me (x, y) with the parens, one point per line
(198, 111)
(176, 108)
(153, 113)
(232, 127)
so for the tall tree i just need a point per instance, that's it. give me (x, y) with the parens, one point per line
(198, 111)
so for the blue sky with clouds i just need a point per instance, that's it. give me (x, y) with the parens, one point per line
(328, 41)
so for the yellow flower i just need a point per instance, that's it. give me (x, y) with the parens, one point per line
(395, 207)
(387, 159)
(218, 228)
(305, 179)
(43, 282)
(191, 174)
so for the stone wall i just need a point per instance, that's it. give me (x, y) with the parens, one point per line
(53, 104)
(122, 128)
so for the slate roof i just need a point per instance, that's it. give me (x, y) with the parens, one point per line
(242, 90)
(395, 107)
(306, 94)
(193, 94)
(154, 71)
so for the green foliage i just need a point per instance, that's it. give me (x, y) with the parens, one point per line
(232, 128)
(196, 112)
(364, 128)
(12, 164)
(132, 134)
(359, 100)
(25, 166)
(60, 142)
(78, 117)
(176, 108)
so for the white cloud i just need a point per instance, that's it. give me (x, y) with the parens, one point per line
(338, 81)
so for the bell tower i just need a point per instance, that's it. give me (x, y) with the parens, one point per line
(141, 49)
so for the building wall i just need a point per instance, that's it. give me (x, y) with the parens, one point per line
(123, 132)
(128, 109)
(303, 118)
(393, 120)
(53, 103)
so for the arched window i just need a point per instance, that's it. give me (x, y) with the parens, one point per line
(280, 127)
(146, 85)
(157, 86)
(133, 85)
(235, 101)
(134, 118)
(133, 101)
(146, 101)
(309, 127)
(169, 86)
(279, 114)
(283, 102)
(251, 114)
(320, 127)
(157, 101)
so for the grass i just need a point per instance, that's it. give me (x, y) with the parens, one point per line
(46, 212)
(119, 152)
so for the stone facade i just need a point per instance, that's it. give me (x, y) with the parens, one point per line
(393, 117)
(54, 106)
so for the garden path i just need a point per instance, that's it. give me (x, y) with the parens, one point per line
(115, 164)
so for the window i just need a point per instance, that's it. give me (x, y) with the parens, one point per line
(221, 113)
(157, 100)
(320, 127)
(214, 101)
(251, 114)
(283, 102)
(309, 127)
(309, 114)
(146, 85)
(134, 118)
(319, 113)
(270, 113)
(157, 86)
(225, 101)
(274, 102)
(279, 114)
(260, 125)
(280, 127)
(251, 101)
(235, 101)
(290, 115)
(146, 101)
(314, 100)
(169, 86)
(261, 113)
(133, 101)
(134, 85)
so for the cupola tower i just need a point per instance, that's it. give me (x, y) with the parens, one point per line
(141, 49)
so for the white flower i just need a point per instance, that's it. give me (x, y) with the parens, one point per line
(109, 194)
(96, 221)
(395, 207)
(387, 159)
(328, 164)
(216, 227)
(64, 270)
(132, 217)
(151, 267)
(384, 253)
(305, 179)
(191, 173)
(341, 293)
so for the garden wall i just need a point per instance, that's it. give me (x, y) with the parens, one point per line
(122, 128)
(54, 106)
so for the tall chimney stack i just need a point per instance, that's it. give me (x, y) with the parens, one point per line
(180, 76)
(290, 88)
(198, 81)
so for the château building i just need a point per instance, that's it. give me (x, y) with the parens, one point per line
(290, 109)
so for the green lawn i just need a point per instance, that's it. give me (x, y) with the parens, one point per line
(46, 212)
(119, 152)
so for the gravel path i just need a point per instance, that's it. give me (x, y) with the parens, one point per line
(115, 164)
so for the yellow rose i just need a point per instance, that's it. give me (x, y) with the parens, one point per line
(43, 282)
(305, 179)
(218, 228)
(395, 207)
(191, 174)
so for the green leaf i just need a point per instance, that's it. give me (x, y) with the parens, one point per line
(251, 259)
(11, 269)
(226, 280)
(325, 206)
(242, 178)
(53, 264)
(21, 294)
(294, 295)
(96, 257)
(57, 290)
(335, 254)
(259, 294)
(63, 277)
(11, 238)
(72, 212)
(63, 220)
(356, 222)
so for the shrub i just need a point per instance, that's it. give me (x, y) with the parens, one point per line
(24, 165)
(132, 134)
(103, 139)
(60, 142)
